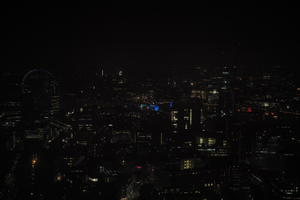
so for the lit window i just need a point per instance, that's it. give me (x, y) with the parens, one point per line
(187, 164)
(174, 116)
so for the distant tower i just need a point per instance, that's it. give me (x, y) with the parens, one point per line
(226, 92)
(226, 102)
(100, 73)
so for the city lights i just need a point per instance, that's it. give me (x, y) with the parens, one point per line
(106, 103)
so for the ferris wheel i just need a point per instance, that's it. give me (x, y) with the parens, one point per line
(37, 82)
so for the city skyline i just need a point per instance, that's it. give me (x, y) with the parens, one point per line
(155, 102)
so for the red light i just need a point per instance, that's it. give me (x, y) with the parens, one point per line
(138, 167)
(249, 109)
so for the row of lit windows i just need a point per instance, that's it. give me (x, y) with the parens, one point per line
(177, 190)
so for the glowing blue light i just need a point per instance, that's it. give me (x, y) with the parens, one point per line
(171, 104)
(156, 108)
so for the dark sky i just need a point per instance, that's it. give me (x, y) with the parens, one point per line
(147, 36)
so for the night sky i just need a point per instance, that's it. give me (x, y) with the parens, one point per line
(147, 36)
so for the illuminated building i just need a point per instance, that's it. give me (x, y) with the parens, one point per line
(174, 121)
(205, 141)
(10, 124)
(187, 164)
(188, 119)
(55, 105)
(226, 93)
(212, 102)
(200, 94)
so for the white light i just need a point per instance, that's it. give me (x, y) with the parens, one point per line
(93, 179)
